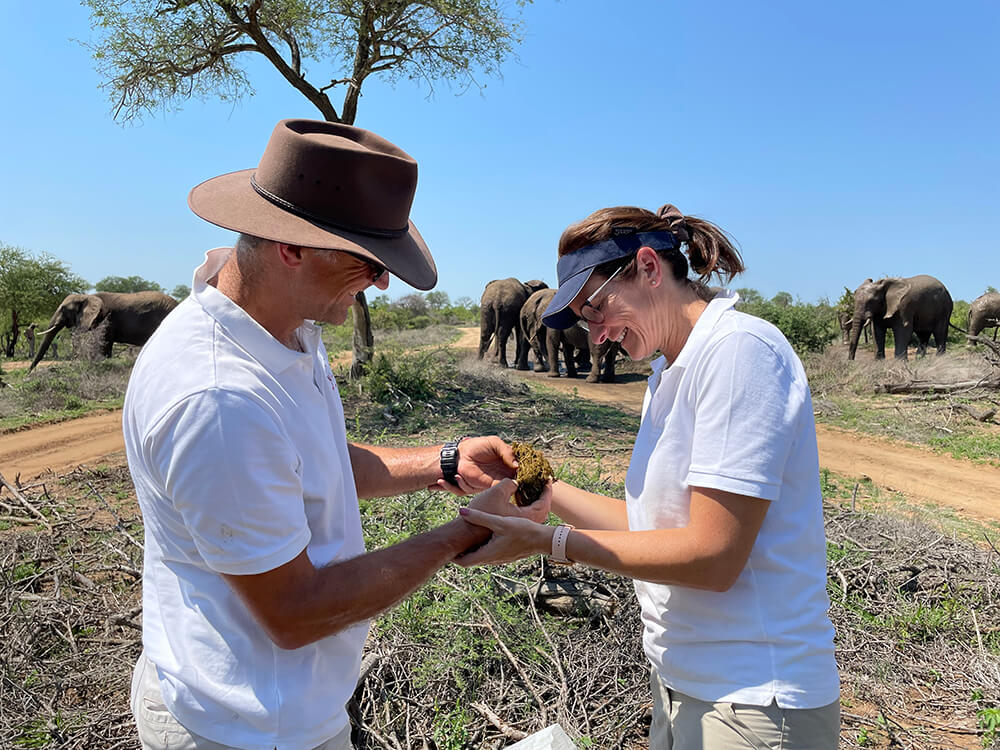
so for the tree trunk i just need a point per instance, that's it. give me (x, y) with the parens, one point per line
(363, 345)
(364, 341)
(12, 342)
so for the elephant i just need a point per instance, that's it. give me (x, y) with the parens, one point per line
(984, 312)
(918, 305)
(844, 321)
(130, 318)
(574, 342)
(499, 309)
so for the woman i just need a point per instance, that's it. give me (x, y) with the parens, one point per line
(722, 528)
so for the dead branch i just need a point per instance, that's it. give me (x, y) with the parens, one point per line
(24, 502)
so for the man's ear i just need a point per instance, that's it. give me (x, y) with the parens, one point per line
(289, 255)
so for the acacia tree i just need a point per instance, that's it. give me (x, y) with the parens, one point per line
(155, 54)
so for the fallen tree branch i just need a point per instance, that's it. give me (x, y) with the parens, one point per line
(506, 729)
(24, 501)
(925, 386)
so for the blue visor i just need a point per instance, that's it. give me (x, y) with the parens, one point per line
(574, 269)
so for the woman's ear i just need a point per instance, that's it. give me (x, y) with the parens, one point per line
(649, 266)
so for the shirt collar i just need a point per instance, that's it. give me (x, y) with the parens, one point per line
(250, 334)
(722, 301)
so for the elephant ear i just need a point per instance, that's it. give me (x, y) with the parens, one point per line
(895, 293)
(91, 313)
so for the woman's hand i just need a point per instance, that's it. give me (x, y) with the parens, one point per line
(513, 538)
(498, 500)
(482, 461)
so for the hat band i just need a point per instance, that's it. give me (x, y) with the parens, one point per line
(610, 249)
(306, 214)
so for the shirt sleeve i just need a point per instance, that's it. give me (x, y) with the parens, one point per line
(746, 409)
(234, 478)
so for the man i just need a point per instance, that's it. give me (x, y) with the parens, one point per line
(256, 587)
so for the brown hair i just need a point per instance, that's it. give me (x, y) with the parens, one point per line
(709, 249)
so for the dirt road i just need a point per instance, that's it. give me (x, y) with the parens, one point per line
(63, 446)
(918, 473)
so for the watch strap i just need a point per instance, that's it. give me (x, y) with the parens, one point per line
(559, 539)
(449, 460)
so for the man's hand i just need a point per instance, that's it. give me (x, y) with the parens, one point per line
(482, 462)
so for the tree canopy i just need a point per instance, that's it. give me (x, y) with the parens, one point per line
(31, 287)
(155, 54)
(127, 284)
(180, 291)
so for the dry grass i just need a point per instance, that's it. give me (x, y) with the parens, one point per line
(479, 658)
(831, 373)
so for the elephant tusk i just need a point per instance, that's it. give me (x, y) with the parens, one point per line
(47, 330)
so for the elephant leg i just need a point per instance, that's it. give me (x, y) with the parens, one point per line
(902, 333)
(608, 376)
(552, 343)
(487, 328)
(569, 357)
(879, 334)
(503, 333)
(521, 350)
(923, 338)
(538, 347)
(485, 336)
(595, 364)
(941, 338)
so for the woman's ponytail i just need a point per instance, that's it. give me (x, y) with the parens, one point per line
(709, 249)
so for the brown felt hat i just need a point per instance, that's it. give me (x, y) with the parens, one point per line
(330, 186)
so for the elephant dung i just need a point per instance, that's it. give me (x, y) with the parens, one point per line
(533, 473)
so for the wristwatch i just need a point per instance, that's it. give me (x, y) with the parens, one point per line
(559, 538)
(449, 460)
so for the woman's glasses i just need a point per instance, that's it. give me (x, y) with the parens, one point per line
(588, 311)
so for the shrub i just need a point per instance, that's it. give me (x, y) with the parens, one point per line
(401, 378)
(959, 319)
(808, 328)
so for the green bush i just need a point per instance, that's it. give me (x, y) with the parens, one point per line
(397, 377)
(420, 311)
(959, 319)
(808, 328)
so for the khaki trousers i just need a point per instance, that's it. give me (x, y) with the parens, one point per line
(681, 722)
(159, 730)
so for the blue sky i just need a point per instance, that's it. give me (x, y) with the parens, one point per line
(833, 141)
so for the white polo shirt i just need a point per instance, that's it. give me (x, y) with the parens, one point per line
(238, 451)
(734, 413)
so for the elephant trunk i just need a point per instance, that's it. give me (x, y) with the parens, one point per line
(856, 325)
(50, 334)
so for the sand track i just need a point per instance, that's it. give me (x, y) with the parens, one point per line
(920, 474)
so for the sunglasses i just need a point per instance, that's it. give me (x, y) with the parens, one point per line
(588, 311)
